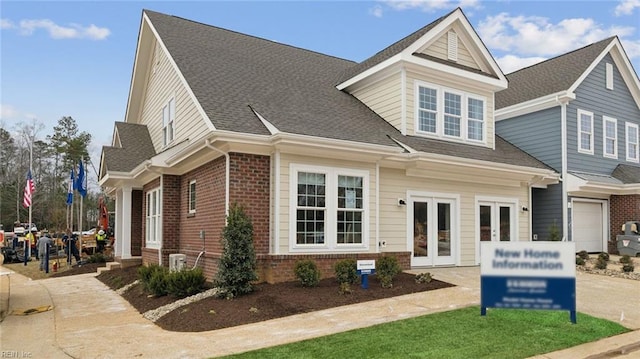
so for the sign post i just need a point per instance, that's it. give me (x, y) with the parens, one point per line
(528, 275)
(364, 268)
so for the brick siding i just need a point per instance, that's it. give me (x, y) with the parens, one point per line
(621, 209)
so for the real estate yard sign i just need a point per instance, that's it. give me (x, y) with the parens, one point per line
(528, 275)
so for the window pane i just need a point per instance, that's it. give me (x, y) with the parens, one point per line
(428, 99)
(420, 230)
(444, 229)
(427, 121)
(585, 141)
(475, 130)
(451, 126)
(349, 227)
(349, 192)
(452, 104)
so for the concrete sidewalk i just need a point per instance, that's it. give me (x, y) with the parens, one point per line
(91, 321)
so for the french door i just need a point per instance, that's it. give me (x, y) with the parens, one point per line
(496, 222)
(433, 226)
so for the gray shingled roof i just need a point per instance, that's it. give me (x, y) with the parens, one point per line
(505, 152)
(627, 173)
(136, 148)
(550, 76)
(292, 88)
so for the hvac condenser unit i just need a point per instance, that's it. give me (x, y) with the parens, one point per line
(177, 262)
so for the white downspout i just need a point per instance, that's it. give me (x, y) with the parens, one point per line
(563, 134)
(377, 206)
(227, 181)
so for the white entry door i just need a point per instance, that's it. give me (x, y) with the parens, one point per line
(496, 222)
(433, 225)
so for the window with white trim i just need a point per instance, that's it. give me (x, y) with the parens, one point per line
(450, 114)
(328, 208)
(168, 120)
(192, 196)
(153, 218)
(632, 142)
(585, 132)
(610, 137)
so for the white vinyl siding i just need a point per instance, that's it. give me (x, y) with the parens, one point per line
(610, 137)
(585, 132)
(443, 112)
(440, 49)
(384, 98)
(153, 218)
(632, 142)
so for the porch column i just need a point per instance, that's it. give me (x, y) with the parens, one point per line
(123, 223)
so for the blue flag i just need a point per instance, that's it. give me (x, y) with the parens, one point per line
(72, 185)
(80, 181)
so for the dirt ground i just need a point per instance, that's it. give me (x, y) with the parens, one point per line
(268, 301)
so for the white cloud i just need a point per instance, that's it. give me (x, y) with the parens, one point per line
(511, 63)
(376, 11)
(632, 48)
(528, 36)
(626, 7)
(72, 31)
(431, 5)
(6, 24)
(8, 112)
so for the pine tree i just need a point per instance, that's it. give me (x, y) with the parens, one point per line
(237, 268)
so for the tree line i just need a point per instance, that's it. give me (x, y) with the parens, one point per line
(54, 156)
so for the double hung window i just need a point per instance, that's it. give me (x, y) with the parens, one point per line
(585, 132)
(153, 218)
(168, 120)
(632, 142)
(610, 134)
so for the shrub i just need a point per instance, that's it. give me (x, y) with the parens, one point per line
(146, 272)
(387, 267)
(604, 256)
(237, 268)
(626, 259)
(98, 258)
(185, 282)
(584, 255)
(579, 261)
(158, 284)
(307, 272)
(628, 268)
(554, 232)
(423, 278)
(601, 264)
(346, 273)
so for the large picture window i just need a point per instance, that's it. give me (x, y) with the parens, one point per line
(329, 208)
(450, 114)
(153, 218)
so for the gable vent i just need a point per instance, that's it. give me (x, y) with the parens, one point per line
(452, 42)
(609, 76)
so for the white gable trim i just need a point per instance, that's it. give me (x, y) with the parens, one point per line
(623, 64)
(439, 30)
(537, 104)
(175, 68)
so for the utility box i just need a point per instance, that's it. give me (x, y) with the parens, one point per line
(177, 262)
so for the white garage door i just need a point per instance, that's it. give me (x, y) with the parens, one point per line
(588, 226)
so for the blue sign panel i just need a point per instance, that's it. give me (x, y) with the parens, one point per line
(528, 275)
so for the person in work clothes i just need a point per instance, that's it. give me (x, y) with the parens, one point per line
(101, 241)
(43, 247)
(70, 244)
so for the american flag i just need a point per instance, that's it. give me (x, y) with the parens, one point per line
(29, 189)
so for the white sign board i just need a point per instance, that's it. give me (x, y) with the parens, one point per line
(528, 259)
(366, 264)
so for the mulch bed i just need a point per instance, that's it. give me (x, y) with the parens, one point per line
(268, 301)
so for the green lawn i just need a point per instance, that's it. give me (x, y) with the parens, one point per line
(461, 333)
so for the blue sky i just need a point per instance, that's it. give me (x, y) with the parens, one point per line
(75, 58)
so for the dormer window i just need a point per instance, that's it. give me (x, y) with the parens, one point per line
(456, 115)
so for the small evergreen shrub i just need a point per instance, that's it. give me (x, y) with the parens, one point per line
(185, 283)
(146, 272)
(554, 232)
(346, 273)
(626, 259)
(628, 268)
(604, 256)
(237, 266)
(158, 284)
(584, 255)
(423, 278)
(98, 258)
(307, 272)
(601, 264)
(579, 261)
(387, 267)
